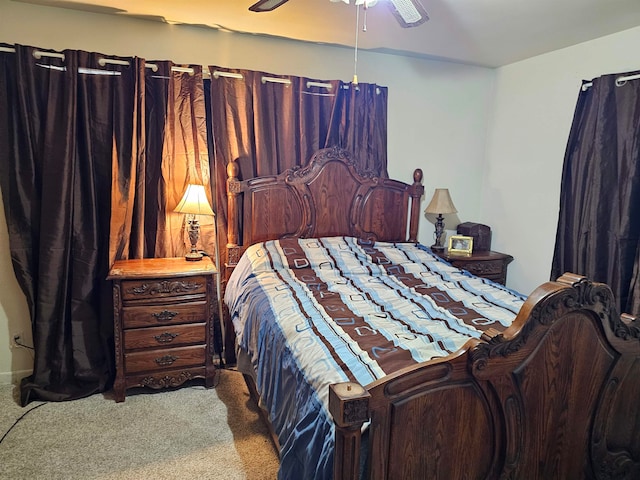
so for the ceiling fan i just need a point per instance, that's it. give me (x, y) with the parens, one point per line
(409, 13)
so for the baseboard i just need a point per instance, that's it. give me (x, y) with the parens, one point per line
(13, 378)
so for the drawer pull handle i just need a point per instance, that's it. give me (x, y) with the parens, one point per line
(166, 360)
(166, 337)
(164, 316)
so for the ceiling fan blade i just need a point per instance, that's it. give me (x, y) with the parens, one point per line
(409, 13)
(266, 5)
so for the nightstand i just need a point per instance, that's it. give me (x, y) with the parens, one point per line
(490, 265)
(164, 316)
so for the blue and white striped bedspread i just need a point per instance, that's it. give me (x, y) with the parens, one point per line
(311, 312)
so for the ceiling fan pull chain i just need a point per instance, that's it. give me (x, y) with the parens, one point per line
(364, 23)
(355, 59)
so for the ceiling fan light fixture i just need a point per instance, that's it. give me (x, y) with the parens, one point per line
(266, 5)
(410, 13)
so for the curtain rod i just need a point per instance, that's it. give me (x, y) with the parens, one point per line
(284, 81)
(620, 81)
(219, 73)
(113, 61)
(328, 86)
(264, 79)
(205, 72)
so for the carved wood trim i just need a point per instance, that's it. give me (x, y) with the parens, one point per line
(119, 382)
(582, 294)
(349, 407)
(166, 380)
(164, 287)
(416, 192)
(295, 185)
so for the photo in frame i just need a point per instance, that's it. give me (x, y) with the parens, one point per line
(460, 245)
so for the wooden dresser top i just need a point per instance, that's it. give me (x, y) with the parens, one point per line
(160, 267)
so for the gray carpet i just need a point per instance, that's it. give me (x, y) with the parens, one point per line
(189, 433)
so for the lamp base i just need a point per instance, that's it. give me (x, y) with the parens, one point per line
(439, 234)
(194, 232)
(193, 256)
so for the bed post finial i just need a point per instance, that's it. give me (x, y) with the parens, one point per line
(349, 407)
(416, 192)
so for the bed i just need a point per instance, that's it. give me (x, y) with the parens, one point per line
(373, 358)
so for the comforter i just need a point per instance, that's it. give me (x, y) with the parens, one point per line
(312, 312)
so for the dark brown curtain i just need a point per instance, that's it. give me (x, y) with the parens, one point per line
(93, 160)
(269, 126)
(60, 126)
(170, 152)
(599, 224)
(359, 124)
(94, 157)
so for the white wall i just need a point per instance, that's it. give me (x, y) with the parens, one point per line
(534, 108)
(438, 111)
(439, 114)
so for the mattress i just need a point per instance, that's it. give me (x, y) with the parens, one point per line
(311, 312)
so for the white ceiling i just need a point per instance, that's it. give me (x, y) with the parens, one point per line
(482, 32)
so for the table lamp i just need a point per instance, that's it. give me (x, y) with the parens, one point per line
(194, 202)
(440, 204)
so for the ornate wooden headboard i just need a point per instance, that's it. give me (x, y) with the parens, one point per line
(330, 196)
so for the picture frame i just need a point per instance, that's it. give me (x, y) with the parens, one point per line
(460, 245)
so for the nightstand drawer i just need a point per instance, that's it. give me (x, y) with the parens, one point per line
(164, 359)
(489, 265)
(484, 268)
(170, 314)
(172, 287)
(172, 335)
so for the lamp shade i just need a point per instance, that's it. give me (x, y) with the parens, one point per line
(441, 202)
(194, 201)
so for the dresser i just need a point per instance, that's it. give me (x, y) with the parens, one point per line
(490, 265)
(165, 310)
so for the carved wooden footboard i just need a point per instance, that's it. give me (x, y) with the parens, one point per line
(556, 396)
